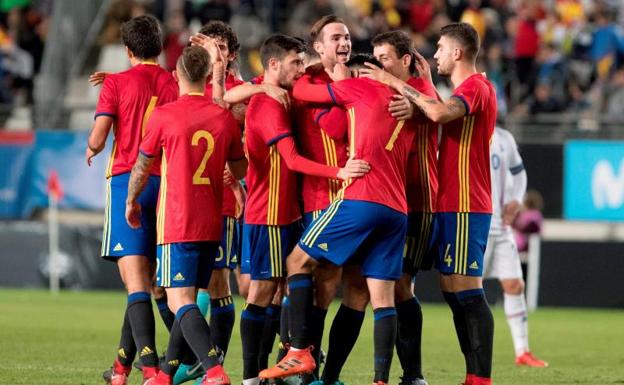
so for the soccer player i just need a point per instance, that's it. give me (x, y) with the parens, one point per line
(464, 195)
(220, 41)
(126, 102)
(502, 261)
(194, 139)
(272, 214)
(368, 218)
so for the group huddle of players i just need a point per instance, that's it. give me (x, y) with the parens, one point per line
(347, 183)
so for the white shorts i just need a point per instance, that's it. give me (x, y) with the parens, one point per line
(501, 260)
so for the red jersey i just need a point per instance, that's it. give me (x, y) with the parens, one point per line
(464, 166)
(195, 139)
(376, 137)
(422, 168)
(230, 207)
(271, 185)
(129, 97)
(316, 142)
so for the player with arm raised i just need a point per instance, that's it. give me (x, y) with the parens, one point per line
(194, 140)
(502, 262)
(126, 102)
(272, 216)
(464, 195)
(220, 41)
(368, 219)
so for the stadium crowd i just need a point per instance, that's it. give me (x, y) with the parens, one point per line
(557, 56)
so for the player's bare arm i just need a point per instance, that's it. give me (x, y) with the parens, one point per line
(436, 110)
(238, 168)
(97, 137)
(136, 184)
(245, 91)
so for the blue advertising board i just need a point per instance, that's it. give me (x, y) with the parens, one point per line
(594, 180)
(26, 162)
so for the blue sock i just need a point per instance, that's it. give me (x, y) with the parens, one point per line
(203, 302)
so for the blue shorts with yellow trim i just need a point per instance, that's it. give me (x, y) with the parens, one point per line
(310, 217)
(265, 249)
(227, 256)
(119, 239)
(461, 242)
(419, 252)
(185, 264)
(373, 232)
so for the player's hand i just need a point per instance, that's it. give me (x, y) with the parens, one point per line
(339, 72)
(133, 214)
(401, 108)
(278, 93)
(228, 178)
(98, 77)
(89, 156)
(209, 44)
(354, 168)
(510, 210)
(373, 72)
(241, 197)
(422, 66)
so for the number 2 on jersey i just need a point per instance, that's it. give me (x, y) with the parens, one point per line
(197, 136)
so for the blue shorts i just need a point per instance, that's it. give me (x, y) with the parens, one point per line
(310, 217)
(373, 232)
(419, 251)
(265, 249)
(228, 250)
(185, 264)
(461, 242)
(119, 239)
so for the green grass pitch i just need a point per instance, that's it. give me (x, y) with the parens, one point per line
(71, 338)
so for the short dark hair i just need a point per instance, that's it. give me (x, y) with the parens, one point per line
(194, 64)
(277, 46)
(464, 34)
(317, 28)
(143, 36)
(401, 42)
(357, 61)
(217, 28)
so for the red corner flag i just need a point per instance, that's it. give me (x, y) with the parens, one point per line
(54, 186)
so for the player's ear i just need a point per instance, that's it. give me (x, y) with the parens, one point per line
(406, 60)
(318, 47)
(129, 53)
(458, 53)
(273, 63)
(175, 76)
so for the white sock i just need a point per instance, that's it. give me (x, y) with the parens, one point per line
(516, 312)
(251, 381)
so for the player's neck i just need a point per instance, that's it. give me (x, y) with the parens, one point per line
(271, 78)
(462, 72)
(136, 61)
(191, 89)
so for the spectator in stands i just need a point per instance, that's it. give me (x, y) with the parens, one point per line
(543, 100)
(614, 110)
(176, 38)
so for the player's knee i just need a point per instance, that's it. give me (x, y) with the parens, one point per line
(243, 285)
(219, 283)
(299, 262)
(513, 286)
(158, 292)
(356, 296)
(403, 289)
(261, 292)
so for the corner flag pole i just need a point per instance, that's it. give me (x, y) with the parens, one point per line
(55, 193)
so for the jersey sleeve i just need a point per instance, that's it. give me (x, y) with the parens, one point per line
(235, 150)
(471, 93)
(151, 143)
(346, 91)
(307, 91)
(333, 121)
(273, 119)
(108, 101)
(515, 160)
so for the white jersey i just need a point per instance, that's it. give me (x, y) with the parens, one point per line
(508, 176)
